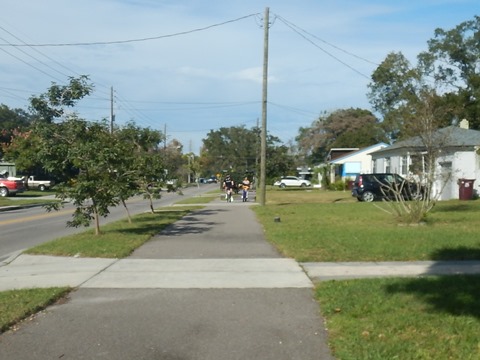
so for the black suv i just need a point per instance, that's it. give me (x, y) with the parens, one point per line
(370, 187)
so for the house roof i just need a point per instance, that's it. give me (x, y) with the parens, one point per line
(341, 160)
(336, 153)
(451, 136)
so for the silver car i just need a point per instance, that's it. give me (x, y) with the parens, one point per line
(287, 181)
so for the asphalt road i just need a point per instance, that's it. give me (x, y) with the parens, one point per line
(26, 227)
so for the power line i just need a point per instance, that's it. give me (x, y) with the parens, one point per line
(28, 64)
(294, 28)
(135, 40)
(325, 42)
(295, 110)
(38, 52)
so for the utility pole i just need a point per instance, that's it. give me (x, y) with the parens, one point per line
(165, 138)
(112, 115)
(263, 137)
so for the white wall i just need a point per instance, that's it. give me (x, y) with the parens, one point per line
(450, 168)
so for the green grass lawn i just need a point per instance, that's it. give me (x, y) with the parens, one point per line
(331, 226)
(434, 318)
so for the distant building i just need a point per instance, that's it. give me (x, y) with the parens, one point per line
(351, 162)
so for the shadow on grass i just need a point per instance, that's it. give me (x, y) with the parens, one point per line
(458, 207)
(456, 295)
(457, 253)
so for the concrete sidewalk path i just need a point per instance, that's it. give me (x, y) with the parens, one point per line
(29, 271)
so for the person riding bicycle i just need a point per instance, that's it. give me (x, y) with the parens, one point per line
(245, 187)
(228, 185)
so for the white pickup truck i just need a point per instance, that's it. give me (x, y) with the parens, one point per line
(42, 185)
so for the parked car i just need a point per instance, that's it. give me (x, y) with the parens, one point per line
(370, 187)
(33, 183)
(10, 186)
(292, 181)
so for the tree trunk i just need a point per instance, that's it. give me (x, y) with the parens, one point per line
(128, 212)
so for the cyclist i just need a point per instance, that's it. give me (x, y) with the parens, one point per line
(245, 187)
(228, 185)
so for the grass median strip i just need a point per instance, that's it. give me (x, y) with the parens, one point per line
(117, 240)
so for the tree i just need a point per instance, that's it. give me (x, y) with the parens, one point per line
(12, 120)
(341, 128)
(51, 105)
(453, 61)
(426, 147)
(172, 160)
(150, 170)
(394, 86)
(279, 163)
(449, 72)
(235, 150)
(230, 149)
(96, 153)
(142, 163)
(416, 101)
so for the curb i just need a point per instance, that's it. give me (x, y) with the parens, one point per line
(11, 258)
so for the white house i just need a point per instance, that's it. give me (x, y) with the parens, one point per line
(458, 159)
(355, 162)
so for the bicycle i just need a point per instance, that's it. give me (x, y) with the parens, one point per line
(229, 196)
(245, 187)
(245, 194)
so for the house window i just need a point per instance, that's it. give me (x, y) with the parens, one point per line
(417, 165)
(387, 165)
(404, 165)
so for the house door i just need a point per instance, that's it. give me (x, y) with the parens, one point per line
(446, 182)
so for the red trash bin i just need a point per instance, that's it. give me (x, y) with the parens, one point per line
(466, 189)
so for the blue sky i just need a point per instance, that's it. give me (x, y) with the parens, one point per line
(321, 56)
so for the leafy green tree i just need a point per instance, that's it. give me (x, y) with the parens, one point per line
(145, 164)
(232, 149)
(172, 160)
(448, 75)
(394, 86)
(341, 128)
(12, 121)
(150, 170)
(453, 61)
(141, 165)
(96, 153)
(21, 149)
(235, 150)
(279, 162)
(51, 105)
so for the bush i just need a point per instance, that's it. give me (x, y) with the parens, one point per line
(338, 185)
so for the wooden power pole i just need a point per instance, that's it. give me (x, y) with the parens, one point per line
(263, 137)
